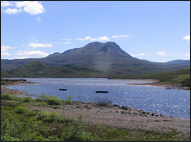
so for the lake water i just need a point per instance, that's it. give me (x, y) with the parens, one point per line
(171, 102)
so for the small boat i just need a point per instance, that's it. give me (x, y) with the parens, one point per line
(101, 91)
(62, 89)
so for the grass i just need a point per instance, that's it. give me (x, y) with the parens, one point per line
(19, 123)
(175, 77)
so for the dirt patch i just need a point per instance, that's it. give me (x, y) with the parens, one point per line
(5, 90)
(17, 83)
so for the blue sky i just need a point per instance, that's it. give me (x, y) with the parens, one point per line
(157, 31)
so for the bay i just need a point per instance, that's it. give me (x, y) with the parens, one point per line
(171, 102)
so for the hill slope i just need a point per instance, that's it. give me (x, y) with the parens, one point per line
(38, 69)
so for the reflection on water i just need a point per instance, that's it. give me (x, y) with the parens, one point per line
(148, 98)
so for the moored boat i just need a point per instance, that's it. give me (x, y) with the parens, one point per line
(101, 91)
(62, 89)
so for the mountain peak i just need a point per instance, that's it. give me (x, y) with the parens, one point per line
(97, 48)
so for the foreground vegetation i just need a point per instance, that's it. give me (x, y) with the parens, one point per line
(19, 123)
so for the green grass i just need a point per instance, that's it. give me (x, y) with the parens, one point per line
(19, 123)
(175, 77)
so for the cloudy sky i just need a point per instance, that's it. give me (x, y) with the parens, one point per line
(151, 30)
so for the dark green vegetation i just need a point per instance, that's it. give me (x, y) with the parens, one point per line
(38, 69)
(5, 74)
(175, 77)
(93, 60)
(19, 123)
(4, 81)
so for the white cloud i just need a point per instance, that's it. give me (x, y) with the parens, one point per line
(12, 11)
(187, 37)
(67, 42)
(35, 45)
(32, 8)
(38, 19)
(31, 53)
(79, 39)
(5, 54)
(187, 54)
(6, 3)
(87, 38)
(141, 54)
(161, 53)
(4, 48)
(93, 39)
(66, 39)
(104, 38)
(119, 36)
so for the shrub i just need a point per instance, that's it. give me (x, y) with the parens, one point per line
(21, 110)
(42, 104)
(50, 117)
(27, 99)
(15, 130)
(53, 100)
(42, 97)
(116, 132)
(104, 101)
(6, 97)
(77, 133)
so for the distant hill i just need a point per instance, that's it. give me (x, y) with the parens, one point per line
(180, 62)
(107, 58)
(41, 70)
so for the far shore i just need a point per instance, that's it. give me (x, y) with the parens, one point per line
(166, 85)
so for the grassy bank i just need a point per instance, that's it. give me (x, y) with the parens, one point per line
(175, 77)
(20, 123)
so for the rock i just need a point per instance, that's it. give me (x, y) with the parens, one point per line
(143, 112)
(125, 107)
(122, 112)
(152, 114)
(115, 105)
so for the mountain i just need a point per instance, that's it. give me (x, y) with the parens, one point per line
(180, 62)
(106, 58)
(94, 54)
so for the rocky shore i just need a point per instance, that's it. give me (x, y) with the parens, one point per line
(120, 117)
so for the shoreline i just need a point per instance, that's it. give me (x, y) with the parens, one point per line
(120, 117)
(166, 85)
(5, 90)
